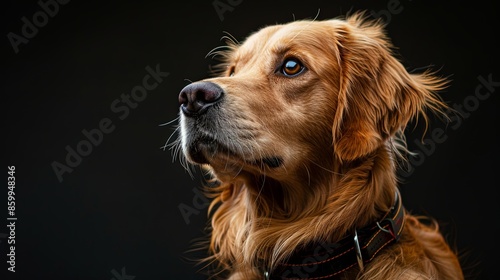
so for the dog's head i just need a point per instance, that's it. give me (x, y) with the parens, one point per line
(299, 96)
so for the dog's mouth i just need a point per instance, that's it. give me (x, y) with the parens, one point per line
(208, 150)
(196, 154)
(205, 149)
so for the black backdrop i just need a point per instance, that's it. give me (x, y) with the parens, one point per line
(68, 67)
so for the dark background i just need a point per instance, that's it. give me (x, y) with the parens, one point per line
(116, 215)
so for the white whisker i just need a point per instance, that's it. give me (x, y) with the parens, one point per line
(230, 37)
(169, 122)
(219, 50)
(307, 26)
(170, 137)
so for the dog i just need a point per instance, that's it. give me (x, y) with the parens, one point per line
(301, 131)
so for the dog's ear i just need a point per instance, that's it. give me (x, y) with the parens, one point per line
(377, 97)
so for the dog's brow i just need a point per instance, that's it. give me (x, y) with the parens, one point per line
(282, 49)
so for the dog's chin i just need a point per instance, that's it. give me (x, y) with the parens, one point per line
(197, 154)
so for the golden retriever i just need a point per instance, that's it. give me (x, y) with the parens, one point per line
(302, 130)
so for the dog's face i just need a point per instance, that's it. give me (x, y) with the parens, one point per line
(271, 109)
(295, 97)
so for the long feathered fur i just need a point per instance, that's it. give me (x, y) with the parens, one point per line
(349, 178)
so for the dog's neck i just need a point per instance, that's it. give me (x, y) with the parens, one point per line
(269, 219)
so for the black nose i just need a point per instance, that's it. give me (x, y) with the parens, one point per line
(197, 97)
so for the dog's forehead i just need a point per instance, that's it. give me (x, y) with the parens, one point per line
(283, 36)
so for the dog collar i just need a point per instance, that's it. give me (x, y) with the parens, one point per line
(328, 261)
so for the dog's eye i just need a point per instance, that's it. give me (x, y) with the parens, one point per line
(292, 67)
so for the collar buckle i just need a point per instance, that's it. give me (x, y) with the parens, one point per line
(359, 255)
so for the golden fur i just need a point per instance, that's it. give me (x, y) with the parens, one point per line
(337, 128)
